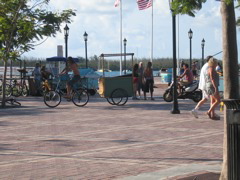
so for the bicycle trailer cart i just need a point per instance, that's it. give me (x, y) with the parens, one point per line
(116, 89)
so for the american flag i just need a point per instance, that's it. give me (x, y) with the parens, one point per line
(117, 2)
(144, 4)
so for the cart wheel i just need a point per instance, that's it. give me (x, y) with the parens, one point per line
(80, 97)
(119, 97)
(52, 99)
(109, 100)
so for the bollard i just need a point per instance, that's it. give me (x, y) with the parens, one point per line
(233, 137)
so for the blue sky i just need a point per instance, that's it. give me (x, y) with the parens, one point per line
(100, 19)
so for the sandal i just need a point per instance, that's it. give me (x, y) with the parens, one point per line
(215, 115)
(209, 115)
(215, 118)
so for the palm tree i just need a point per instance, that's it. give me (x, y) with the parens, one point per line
(230, 69)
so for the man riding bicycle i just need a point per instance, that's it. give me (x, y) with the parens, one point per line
(71, 66)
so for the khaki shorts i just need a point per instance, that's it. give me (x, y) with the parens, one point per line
(184, 83)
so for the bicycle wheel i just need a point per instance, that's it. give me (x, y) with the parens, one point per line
(16, 90)
(80, 97)
(52, 99)
(24, 90)
(119, 97)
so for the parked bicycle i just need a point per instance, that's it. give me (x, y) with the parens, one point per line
(15, 88)
(24, 87)
(79, 95)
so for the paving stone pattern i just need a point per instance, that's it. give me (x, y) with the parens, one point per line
(101, 141)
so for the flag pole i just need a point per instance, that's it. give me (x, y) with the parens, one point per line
(121, 36)
(152, 36)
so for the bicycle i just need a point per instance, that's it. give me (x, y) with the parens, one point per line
(14, 88)
(24, 90)
(45, 87)
(23, 84)
(79, 95)
(7, 89)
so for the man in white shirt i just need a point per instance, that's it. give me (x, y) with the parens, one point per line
(202, 83)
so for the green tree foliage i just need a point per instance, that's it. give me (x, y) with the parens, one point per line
(190, 7)
(186, 6)
(23, 23)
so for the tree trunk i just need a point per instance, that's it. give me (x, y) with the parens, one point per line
(230, 69)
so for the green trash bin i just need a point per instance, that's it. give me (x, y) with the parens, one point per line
(233, 136)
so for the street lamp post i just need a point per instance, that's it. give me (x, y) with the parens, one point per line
(85, 36)
(190, 34)
(203, 44)
(125, 44)
(66, 33)
(175, 109)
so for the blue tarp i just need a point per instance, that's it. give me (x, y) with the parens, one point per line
(91, 77)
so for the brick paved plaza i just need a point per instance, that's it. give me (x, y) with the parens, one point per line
(140, 140)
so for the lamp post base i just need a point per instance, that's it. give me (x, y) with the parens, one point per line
(175, 111)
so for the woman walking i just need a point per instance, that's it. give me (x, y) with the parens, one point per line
(148, 76)
(212, 83)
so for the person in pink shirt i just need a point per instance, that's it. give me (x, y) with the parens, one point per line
(188, 78)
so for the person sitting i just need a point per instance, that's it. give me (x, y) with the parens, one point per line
(45, 74)
(71, 66)
(46, 86)
(188, 75)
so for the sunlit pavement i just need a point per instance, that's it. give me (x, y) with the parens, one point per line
(141, 140)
